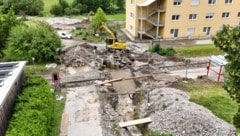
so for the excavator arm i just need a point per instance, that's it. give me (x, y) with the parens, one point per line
(108, 30)
(112, 42)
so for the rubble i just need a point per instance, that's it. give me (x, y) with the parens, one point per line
(170, 109)
(172, 112)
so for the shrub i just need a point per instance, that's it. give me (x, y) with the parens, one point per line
(236, 119)
(34, 109)
(154, 133)
(56, 10)
(155, 48)
(163, 51)
(29, 7)
(38, 40)
(170, 51)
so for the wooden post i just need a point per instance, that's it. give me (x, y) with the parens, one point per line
(208, 67)
(219, 74)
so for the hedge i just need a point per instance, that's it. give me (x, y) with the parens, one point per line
(34, 109)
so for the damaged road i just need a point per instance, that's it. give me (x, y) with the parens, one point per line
(96, 110)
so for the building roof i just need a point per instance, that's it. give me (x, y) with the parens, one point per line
(218, 60)
(146, 3)
(9, 74)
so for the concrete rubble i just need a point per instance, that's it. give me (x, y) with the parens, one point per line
(169, 108)
(96, 110)
(172, 112)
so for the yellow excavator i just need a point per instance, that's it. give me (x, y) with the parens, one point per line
(112, 42)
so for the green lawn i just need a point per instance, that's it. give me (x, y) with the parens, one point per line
(196, 51)
(212, 96)
(120, 17)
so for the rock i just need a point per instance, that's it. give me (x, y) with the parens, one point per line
(172, 112)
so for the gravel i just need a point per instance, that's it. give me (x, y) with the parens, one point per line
(172, 112)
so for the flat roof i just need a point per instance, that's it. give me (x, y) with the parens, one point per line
(146, 3)
(9, 73)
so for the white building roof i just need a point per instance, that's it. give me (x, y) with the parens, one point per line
(146, 3)
(9, 73)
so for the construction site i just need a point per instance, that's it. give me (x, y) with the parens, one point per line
(126, 93)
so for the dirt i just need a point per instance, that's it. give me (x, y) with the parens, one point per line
(95, 110)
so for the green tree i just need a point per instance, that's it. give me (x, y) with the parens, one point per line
(38, 40)
(29, 7)
(121, 4)
(98, 18)
(56, 10)
(108, 6)
(7, 21)
(228, 40)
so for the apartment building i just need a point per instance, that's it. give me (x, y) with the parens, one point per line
(172, 19)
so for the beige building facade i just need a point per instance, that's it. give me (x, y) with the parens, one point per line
(172, 19)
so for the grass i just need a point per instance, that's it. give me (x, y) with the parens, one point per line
(197, 51)
(212, 96)
(120, 17)
(57, 115)
(37, 69)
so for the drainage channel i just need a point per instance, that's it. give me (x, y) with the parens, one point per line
(122, 107)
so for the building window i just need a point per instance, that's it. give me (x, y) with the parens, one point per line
(207, 30)
(174, 32)
(192, 16)
(132, 1)
(225, 14)
(195, 2)
(132, 15)
(190, 31)
(228, 1)
(131, 27)
(209, 15)
(177, 2)
(175, 17)
(211, 2)
(238, 15)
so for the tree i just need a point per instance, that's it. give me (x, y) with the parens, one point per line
(121, 4)
(7, 21)
(29, 7)
(108, 6)
(56, 10)
(228, 40)
(38, 40)
(98, 18)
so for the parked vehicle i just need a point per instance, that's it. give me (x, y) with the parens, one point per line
(64, 35)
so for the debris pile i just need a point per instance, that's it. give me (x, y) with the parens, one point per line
(85, 54)
(172, 112)
(78, 56)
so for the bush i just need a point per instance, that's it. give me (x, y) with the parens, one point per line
(154, 133)
(163, 51)
(56, 10)
(38, 40)
(29, 7)
(236, 119)
(7, 21)
(155, 48)
(34, 109)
